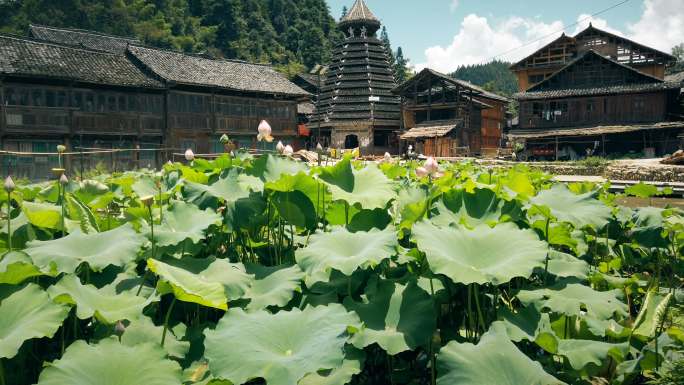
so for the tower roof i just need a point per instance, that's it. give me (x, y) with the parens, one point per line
(359, 12)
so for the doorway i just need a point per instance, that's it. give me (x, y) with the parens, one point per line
(351, 141)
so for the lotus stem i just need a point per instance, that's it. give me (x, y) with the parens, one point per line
(9, 221)
(480, 317)
(2, 373)
(149, 209)
(61, 189)
(546, 261)
(166, 321)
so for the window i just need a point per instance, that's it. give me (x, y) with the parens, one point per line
(101, 102)
(111, 103)
(639, 103)
(50, 98)
(10, 97)
(123, 105)
(37, 98)
(89, 105)
(62, 99)
(77, 100)
(590, 106)
(537, 109)
(133, 104)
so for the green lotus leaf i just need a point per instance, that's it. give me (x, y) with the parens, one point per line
(110, 248)
(581, 353)
(281, 348)
(142, 331)
(271, 168)
(518, 180)
(111, 363)
(296, 208)
(43, 215)
(565, 265)
(579, 210)
(228, 188)
(526, 324)
(184, 221)
(16, 267)
(22, 231)
(461, 207)
(483, 255)
(397, 317)
(311, 187)
(273, 286)
(103, 304)
(26, 314)
(642, 190)
(574, 299)
(648, 228)
(351, 366)
(89, 190)
(235, 280)
(653, 310)
(82, 214)
(368, 187)
(187, 286)
(494, 360)
(344, 251)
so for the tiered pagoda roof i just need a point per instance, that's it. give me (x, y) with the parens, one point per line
(357, 89)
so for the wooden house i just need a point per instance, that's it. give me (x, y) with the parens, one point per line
(89, 90)
(446, 117)
(557, 54)
(596, 105)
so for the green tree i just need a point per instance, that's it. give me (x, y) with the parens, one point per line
(402, 72)
(344, 11)
(677, 52)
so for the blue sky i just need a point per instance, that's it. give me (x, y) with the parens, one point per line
(444, 34)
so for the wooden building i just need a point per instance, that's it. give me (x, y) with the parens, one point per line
(357, 107)
(595, 105)
(91, 90)
(444, 116)
(551, 58)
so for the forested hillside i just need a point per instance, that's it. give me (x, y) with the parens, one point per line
(293, 34)
(494, 76)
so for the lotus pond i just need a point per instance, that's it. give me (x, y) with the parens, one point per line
(264, 270)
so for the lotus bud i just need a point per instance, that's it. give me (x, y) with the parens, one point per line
(119, 328)
(58, 172)
(288, 151)
(224, 139)
(169, 163)
(421, 172)
(189, 155)
(9, 184)
(319, 148)
(63, 180)
(264, 132)
(280, 147)
(431, 165)
(388, 157)
(147, 200)
(61, 148)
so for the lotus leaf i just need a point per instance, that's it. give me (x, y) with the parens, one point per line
(273, 286)
(235, 280)
(483, 255)
(115, 247)
(187, 286)
(565, 265)
(653, 310)
(345, 251)
(351, 366)
(103, 304)
(271, 168)
(184, 221)
(581, 353)
(368, 187)
(16, 267)
(578, 209)
(26, 314)
(494, 360)
(111, 363)
(575, 299)
(228, 188)
(397, 317)
(143, 331)
(43, 215)
(281, 348)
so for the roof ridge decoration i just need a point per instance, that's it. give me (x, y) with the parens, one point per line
(50, 43)
(359, 11)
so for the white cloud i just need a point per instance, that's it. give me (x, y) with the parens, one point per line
(479, 38)
(661, 25)
(454, 5)
(478, 41)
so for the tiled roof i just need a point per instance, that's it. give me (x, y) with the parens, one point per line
(450, 80)
(195, 70)
(359, 11)
(26, 57)
(81, 38)
(591, 131)
(610, 90)
(434, 130)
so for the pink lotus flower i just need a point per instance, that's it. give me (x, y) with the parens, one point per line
(421, 172)
(189, 155)
(9, 184)
(280, 147)
(431, 166)
(288, 151)
(264, 132)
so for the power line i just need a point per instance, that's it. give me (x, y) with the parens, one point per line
(561, 30)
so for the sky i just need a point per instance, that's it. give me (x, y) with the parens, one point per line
(445, 34)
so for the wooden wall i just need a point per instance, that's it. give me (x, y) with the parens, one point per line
(181, 119)
(493, 122)
(588, 111)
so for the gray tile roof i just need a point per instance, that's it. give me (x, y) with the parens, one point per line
(359, 11)
(609, 90)
(30, 58)
(81, 38)
(195, 70)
